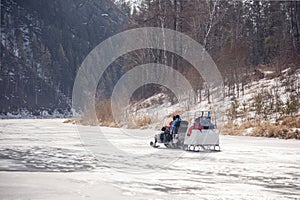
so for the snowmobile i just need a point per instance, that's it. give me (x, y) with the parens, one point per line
(202, 135)
(174, 141)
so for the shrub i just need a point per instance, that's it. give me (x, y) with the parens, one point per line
(103, 111)
(71, 120)
(232, 111)
(292, 105)
(272, 130)
(285, 130)
(142, 121)
(258, 104)
(291, 122)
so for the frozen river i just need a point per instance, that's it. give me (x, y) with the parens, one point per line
(45, 159)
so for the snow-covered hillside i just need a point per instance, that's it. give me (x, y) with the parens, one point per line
(265, 100)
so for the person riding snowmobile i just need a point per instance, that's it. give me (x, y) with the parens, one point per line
(175, 125)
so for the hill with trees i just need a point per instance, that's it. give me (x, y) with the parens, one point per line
(43, 43)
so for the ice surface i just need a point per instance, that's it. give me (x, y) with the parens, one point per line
(45, 159)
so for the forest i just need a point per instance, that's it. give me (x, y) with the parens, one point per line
(43, 43)
(241, 36)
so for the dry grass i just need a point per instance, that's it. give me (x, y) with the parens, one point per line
(105, 117)
(291, 122)
(72, 120)
(103, 113)
(277, 131)
(142, 121)
(231, 129)
(284, 128)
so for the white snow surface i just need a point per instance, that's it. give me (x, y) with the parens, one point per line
(45, 159)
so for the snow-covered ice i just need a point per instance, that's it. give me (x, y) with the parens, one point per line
(45, 159)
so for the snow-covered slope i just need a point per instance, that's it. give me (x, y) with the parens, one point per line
(272, 94)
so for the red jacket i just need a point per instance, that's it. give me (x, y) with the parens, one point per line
(196, 126)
